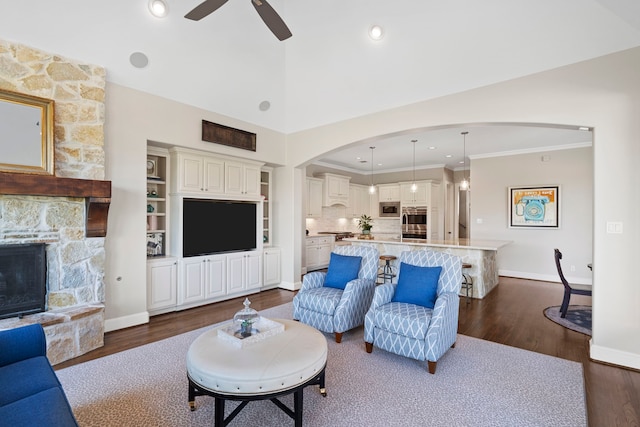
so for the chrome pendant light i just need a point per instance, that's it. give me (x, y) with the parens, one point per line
(372, 188)
(414, 187)
(464, 185)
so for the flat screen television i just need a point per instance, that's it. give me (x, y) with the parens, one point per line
(215, 226)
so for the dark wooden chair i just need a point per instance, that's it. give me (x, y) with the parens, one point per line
(568, 289)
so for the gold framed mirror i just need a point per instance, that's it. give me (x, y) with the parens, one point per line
(26, 133)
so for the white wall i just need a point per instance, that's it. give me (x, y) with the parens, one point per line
(531, 253)
(603, 93)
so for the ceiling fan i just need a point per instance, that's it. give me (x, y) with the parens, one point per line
(266, 12)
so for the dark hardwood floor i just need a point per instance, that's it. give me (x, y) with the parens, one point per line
(511, 314)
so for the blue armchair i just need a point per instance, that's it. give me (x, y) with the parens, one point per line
(337, 300)
(417, 317)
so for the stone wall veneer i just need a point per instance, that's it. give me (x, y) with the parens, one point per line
(78, 91)
(74, 322)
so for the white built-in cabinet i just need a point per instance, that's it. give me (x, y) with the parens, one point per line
(314, 197)
(271, 268)
(267, 206)
(241, 179)
(210, 175)
(335, 189)
(202, 278)
(359, 201)
(389, 192)
(158, 199)
(319, 252)
(175, 283)
(215, 277)
(198, 174)
(244, 271)
(162, 278)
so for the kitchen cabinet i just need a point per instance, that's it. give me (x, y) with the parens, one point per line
(389, 192)
(359, 201)
(417, 198)
(244, 271)
(335, 189)
(428, 194)
(314, 197)
(271, 267)
(241, 178)
(162, 279)
(318, 252)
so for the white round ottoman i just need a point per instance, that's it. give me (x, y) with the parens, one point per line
(278, 365)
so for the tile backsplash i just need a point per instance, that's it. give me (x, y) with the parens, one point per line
(334, 219)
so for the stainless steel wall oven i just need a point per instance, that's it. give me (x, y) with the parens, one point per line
(414, 222)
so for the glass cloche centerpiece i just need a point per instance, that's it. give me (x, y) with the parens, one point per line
(246, 318)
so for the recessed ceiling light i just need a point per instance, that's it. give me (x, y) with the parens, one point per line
(158, 8)
(264, 105)
(432, 148)
(461, 162)
(376, 32)
(448, 156)
(583, 128)
(139, 59)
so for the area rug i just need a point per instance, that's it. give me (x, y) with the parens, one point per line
(578, 317)
(477, 383)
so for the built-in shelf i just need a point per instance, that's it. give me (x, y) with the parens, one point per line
(97, 194)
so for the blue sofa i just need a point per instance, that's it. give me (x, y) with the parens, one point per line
(30, 392)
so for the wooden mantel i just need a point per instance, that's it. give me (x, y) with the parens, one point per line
(96, 193)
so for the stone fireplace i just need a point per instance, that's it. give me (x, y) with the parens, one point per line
(33, 210)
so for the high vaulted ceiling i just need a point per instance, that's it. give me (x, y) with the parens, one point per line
(329, 70)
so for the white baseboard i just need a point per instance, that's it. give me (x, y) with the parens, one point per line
(126, 321)
(613, 356)
(543, 277)
(290, 286)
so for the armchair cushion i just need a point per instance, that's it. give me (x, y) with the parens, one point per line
(417, 285)
(342, 270)
(407, 320)
(320, 300)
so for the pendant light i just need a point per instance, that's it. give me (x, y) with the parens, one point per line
(464, 185)
(414, 187)
(372, 188)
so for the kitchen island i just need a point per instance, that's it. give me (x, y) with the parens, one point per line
(481, 254)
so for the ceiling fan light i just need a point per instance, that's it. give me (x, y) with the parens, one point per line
(158, 8)
(376, 32)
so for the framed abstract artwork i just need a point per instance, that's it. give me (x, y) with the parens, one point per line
(534, 207)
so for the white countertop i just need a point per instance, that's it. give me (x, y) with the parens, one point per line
(487, 245)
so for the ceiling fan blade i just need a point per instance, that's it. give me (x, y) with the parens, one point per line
(272, 19)
(204, 9)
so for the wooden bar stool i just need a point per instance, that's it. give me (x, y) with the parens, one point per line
(467, 281)
(387, 269)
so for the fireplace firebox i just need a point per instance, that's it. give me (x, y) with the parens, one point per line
(23, 279)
